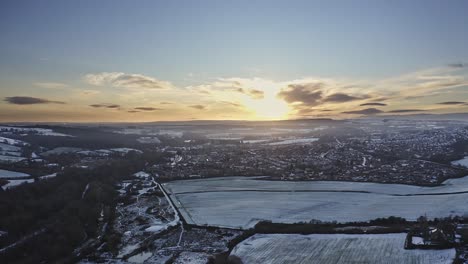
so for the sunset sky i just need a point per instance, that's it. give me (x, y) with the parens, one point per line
(107, 61)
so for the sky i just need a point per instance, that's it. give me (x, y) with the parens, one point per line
(136, 61)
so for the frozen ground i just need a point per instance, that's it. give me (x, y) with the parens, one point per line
(15, 183)
(463, 162)
(240, 202)
(12, 174)
(336, 249)
(294, 141)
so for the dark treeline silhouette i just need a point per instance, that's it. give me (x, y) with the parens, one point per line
(49, 219)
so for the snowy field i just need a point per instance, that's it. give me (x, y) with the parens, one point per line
(463, 162)
(12, 174)
(240, 202)
(36, 131)
(293, 141)
(336, 249)
(15, 183)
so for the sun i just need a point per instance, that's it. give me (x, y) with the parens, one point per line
(268, 108)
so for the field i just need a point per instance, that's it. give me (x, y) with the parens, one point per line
(462, 162)
(12, 174)
(240, 202)
(337, 248)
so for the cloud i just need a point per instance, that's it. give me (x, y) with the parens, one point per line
(457, 65)
(367, 111)
(126, 80)
(452, 103)
(253, 93)
(373, 104)
(405, 110)
(143, 108)
(26, 100)
(308, 93)
(50, 85)
(232, 103)
(166, 103)
(198, 107)
(105, 105)
(342, 97)
(133, 111)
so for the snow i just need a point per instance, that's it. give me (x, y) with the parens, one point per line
(10, 159)
(85, 191)
(12, 174)
(125, 150)
(191, 258)
(141, 174)
(240, 202)
(13, 142)
(48, 176)
(149, 140)
(16, 183)
(417, 240)
(254, 141)
(335, 248)
(140, 258)
(37, 131)
(294, 141)
(463, 162)
(60, 150)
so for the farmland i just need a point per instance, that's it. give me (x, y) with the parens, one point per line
(239, 202)
(337, 248)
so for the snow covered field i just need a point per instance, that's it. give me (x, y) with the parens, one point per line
(335, 248)
(240, 202)
(294, 141)
(12, 174)
(463, 162)
(37, 131)
(15, 183)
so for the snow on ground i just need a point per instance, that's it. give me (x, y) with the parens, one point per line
(254, 141)
(293, 141)
(15, 183)
(149, 140)
(240, 202)
(60, 150)
(37, 131)
(192, 258)
(141, 174)
(125, 150)
(463, 162)
(336, 249)
(13, 142)
(48, 176)
(140, 258)
(10, 159)
(12, 174)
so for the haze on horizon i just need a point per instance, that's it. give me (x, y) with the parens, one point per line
(85, 61)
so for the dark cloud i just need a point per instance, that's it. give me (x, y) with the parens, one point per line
(405, 110)
(342, 97)
(308, 94)
(367, 111)
(133, 111)
(452, 103)
(373, 104)
(254, 93)
(198, 107)
(126, 80)
(231, 103)
(26, 100)
(143, 108)
(457, 65)
(105, 105)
